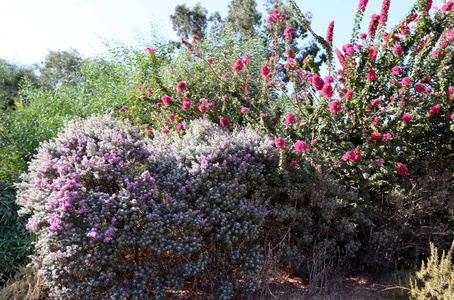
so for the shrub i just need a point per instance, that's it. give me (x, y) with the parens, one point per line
(15, 240)
(102, 228)
(222, 174)
(435, 279)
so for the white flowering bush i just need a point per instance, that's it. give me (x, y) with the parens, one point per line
(103, 230)
(223, 175)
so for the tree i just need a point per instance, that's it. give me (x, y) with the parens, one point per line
(187, 22)
(60, 65)
(11, 76)
(243, 16)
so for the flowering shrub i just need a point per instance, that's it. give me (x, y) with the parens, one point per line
(223, 175)
(102, 228)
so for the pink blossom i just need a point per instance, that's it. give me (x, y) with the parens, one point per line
(210, 60)
(279, 142)
(265, 71)
(452, 116)
(289, 52)
(402, 169)
(434, 110)
(165, 130)
(124, 108)
(386, 136)
(348, 95)
(196, 37)
(451, 89)
(288, 33)
(290, 118)
(429, 5)
(262, 116)
(238, 66)
(397, 50)
(327, 90)
(317, 82)
(300, 146)
(329, 33)
(149, 90)
(405, 81)
(224, 121)
(406, 117)
(180, 126)
(419, 87)
(149, 49)
(335, 106)
(149, 131)
(362, 5)
(139, 88)
(371, 74)
(224, 98)
(384, 12)
(375, 136)
(186, 103)
(352, 155)
(202, 107)
(181, 86)
(373, 25)
(244, 109)
(294, 162)
(362, 36)
(166, 99)
(448, 6)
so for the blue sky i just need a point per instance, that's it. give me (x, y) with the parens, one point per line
(29, 28)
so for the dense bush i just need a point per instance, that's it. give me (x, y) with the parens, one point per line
(223, 175)
(15, 240)
(102, 228)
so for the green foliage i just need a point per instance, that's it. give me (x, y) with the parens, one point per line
(435, 279)
(243, 16)
(11, 76)
(15, 241)
(58, 66)
(187, 22)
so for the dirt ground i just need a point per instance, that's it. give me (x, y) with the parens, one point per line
(360, 287)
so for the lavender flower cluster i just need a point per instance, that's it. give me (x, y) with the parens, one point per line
(119, 216)
(103, 230)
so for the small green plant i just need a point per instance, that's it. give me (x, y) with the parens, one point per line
(435, 279)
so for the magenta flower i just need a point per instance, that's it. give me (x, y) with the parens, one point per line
(402, 169)
(375, 136)
(238, 66)
(139, 88)
(397, 50)
(434, 110)
(195, 37)
(165, 130)
(300, 146)
(124, 108)
(371, 74)
(265, 71)
(181, 86)
(202, 107)
(329, 33)
(317, 82)
(384, 12)
(210, 60)
(373, 25)
(348, 95)
(186, 103)
(327, 90)
(363, 36)
(180, 126)
(244, 109)
(166, 99)
(149, 131)
(288, 33)
(224, 121)
(279, 142)
(150, 50)
(149, 90)
(290, 118)
(362, 5)
(405, 81)
(335, 106)
(406, 118)
(420, 88)
(429, 5)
